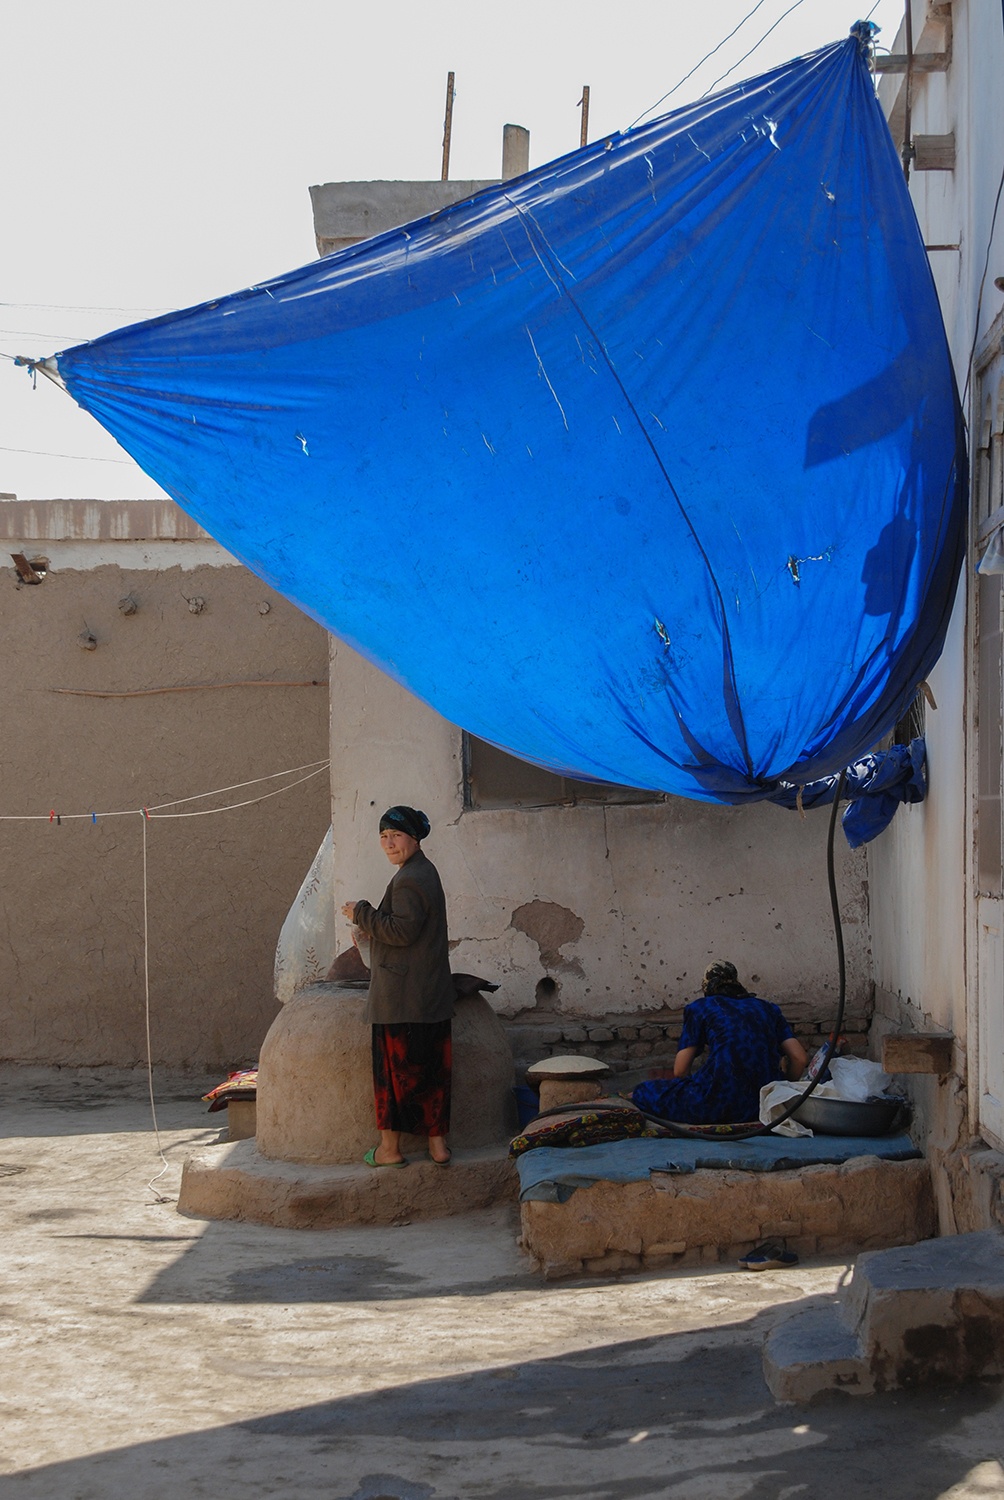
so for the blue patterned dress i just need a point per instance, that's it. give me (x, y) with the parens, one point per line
(743, 1041)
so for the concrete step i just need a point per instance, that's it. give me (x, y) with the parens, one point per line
(915, 1315)
(815, 1351)
(932, 1311)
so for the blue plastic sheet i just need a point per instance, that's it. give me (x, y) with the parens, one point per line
(875, 787)
(646, 466)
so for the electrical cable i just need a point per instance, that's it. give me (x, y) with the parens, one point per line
(747, 1132)
(84, 307)
(41, 333)
(750, 53)
(85, 458)
(669, 94)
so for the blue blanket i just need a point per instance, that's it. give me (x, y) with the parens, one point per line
(551, 1174)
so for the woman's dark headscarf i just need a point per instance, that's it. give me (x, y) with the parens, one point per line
(406, 820)
(723, 979)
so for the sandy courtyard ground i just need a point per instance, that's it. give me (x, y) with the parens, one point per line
(148, 1355)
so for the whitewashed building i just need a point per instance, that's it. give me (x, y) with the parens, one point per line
(936, 878)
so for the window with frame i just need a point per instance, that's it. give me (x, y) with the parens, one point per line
(494, 779)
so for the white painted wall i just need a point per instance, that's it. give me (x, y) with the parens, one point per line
(921, 901)
(660, 889)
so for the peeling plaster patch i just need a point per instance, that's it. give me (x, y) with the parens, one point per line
(550, 926)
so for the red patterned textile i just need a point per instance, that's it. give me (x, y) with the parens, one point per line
(240, 1085)
(411, 1076)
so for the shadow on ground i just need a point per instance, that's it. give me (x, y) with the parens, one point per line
(40, 1102)
(630, 1421)
(196, 1276)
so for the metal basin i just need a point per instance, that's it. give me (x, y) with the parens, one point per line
(848, 1117)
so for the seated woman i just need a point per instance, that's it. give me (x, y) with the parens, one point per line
(745, 1039)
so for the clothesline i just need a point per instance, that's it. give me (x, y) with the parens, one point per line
(312, 768)
(147, 815)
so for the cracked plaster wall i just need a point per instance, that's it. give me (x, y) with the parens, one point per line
(71, 976)
(621, 906)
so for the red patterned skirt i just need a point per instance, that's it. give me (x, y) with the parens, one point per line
(411, 1076)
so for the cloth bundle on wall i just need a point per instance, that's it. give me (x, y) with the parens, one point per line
(647, 466)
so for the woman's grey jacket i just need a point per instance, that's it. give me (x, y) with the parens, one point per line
(410, 977)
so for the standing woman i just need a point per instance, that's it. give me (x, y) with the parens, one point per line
(411, 995)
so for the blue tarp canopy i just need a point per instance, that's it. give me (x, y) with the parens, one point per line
(646, 466)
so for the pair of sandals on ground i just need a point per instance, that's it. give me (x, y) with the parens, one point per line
(437, 1161)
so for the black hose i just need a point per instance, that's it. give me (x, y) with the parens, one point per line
(747, 1132)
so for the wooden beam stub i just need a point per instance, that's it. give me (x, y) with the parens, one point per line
(934, 153)
(923, 62)
(917, 1052)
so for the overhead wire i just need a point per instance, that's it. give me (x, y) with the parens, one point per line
(751, 51)
(84, 458)
(697, 66)
(84, 307)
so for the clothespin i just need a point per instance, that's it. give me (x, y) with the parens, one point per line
(94, 817)
(146, 814)
(52, 815)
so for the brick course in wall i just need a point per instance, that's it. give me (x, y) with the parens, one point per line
(627, 1041)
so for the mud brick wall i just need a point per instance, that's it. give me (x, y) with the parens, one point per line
(627, 1042)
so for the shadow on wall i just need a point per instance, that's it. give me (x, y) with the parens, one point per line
(629, 1421)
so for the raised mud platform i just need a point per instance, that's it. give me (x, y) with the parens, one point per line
(234, 1181)
(315, 1120)
(710, 1216)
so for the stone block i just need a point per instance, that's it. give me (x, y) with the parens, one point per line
(639, 1049)
(242, 1119)
(614, 1263)
(627, 1033)
(666, 1247)
(600, 1034)
(554, 1092)
(814, 1351)
(574, 1033)
(651, 1033)
(932, 1312)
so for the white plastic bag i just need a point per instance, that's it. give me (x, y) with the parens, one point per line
(858, 1079)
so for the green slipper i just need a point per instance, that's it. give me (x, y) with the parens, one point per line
(371, 1161)
(436, 1162)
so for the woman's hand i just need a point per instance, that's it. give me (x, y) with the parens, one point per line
(349, 910)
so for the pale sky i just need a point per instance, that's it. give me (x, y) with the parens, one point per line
(159, 152)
